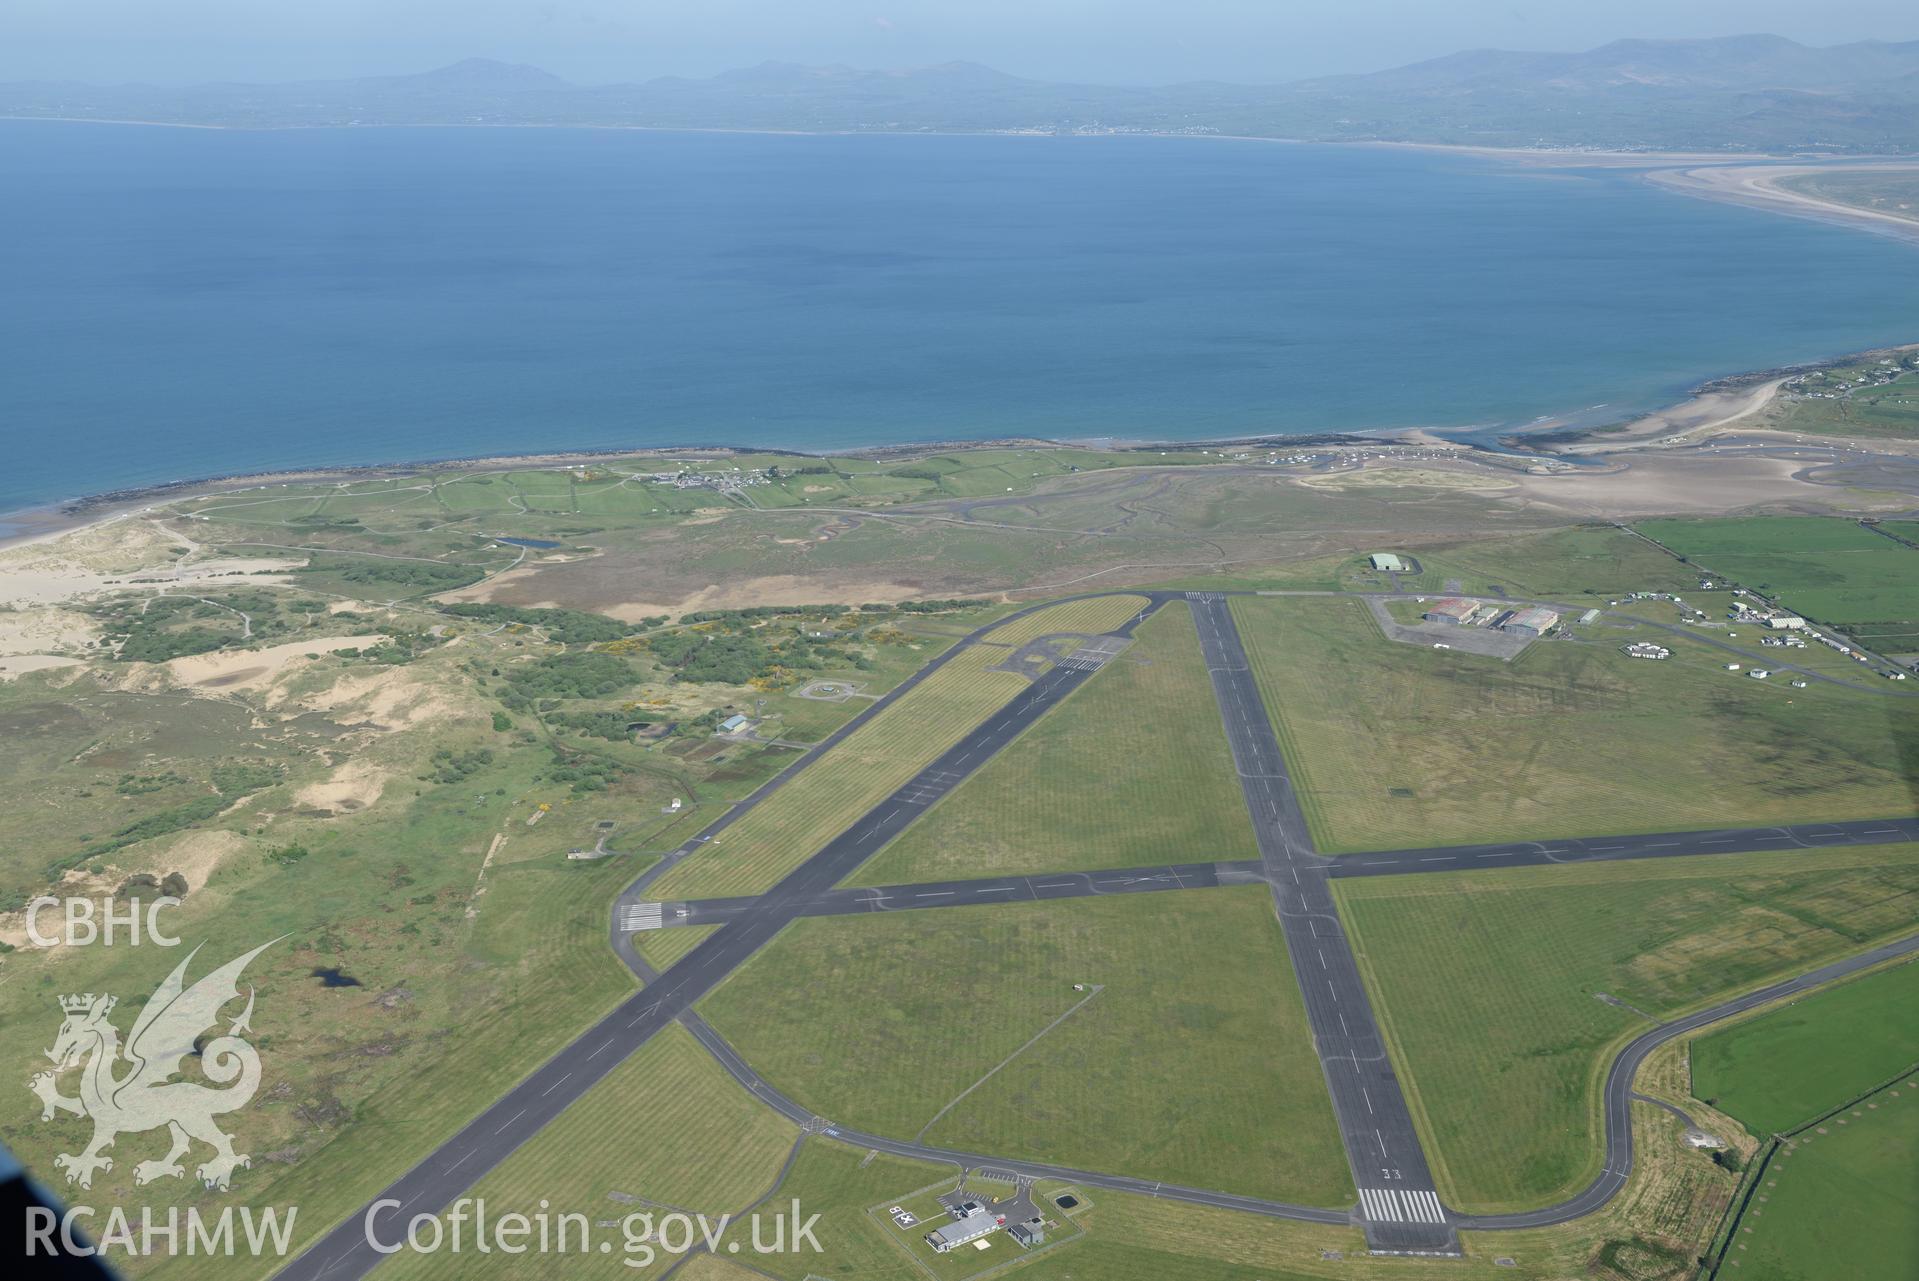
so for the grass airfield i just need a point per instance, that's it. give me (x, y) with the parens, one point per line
(479, 946)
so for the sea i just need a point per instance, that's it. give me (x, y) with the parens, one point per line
(186, 303)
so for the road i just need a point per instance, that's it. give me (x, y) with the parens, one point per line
(452, 1167)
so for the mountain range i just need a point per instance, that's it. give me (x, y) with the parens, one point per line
(1756, 93)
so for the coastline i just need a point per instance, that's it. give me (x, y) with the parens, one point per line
(1572, 156)
(1706, 409)
(1709, 407)
(29, 525)
(1757, 187)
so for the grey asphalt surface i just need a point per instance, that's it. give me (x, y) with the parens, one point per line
(981, 890)
(454, 1166)
(1382, 1145)
(1036, 887)
(1603, 849)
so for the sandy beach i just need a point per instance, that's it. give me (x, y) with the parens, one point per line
(1757, 187)
(1698, 415)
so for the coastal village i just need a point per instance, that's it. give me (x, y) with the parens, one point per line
(1840, 382)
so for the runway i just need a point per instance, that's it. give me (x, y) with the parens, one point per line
(1399, 1205)
(1036, 887)
(347, 1251)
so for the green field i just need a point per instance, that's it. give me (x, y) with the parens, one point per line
(1487, 985)
(1672, 1198)
(1192, 1063)
(408, 987)
(661, 948)
(1832, 571)
(842, 1184)
(1841, 1201)
(1590, 562)
(1787, 1066)
(1133, 769)
(1395, 745)
(667, 1128)
(450, 1014)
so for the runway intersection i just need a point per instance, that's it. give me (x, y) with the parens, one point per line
(1398, 1207)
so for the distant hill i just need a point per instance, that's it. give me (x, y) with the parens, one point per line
(1740, 93)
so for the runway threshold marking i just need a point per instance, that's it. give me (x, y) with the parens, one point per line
(1399, 1205)
(641, 916)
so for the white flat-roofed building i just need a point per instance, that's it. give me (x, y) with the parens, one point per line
(967, 1228)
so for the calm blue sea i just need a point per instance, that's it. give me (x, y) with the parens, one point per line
(179, 303)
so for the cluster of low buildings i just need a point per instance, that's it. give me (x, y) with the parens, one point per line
(1765, 615)
(726, 482)
(973, 1222)
(1826, 385)
(1528, 620)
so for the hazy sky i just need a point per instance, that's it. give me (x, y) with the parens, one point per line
(1131, 41)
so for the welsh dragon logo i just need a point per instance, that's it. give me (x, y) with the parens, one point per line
(129, 1089)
